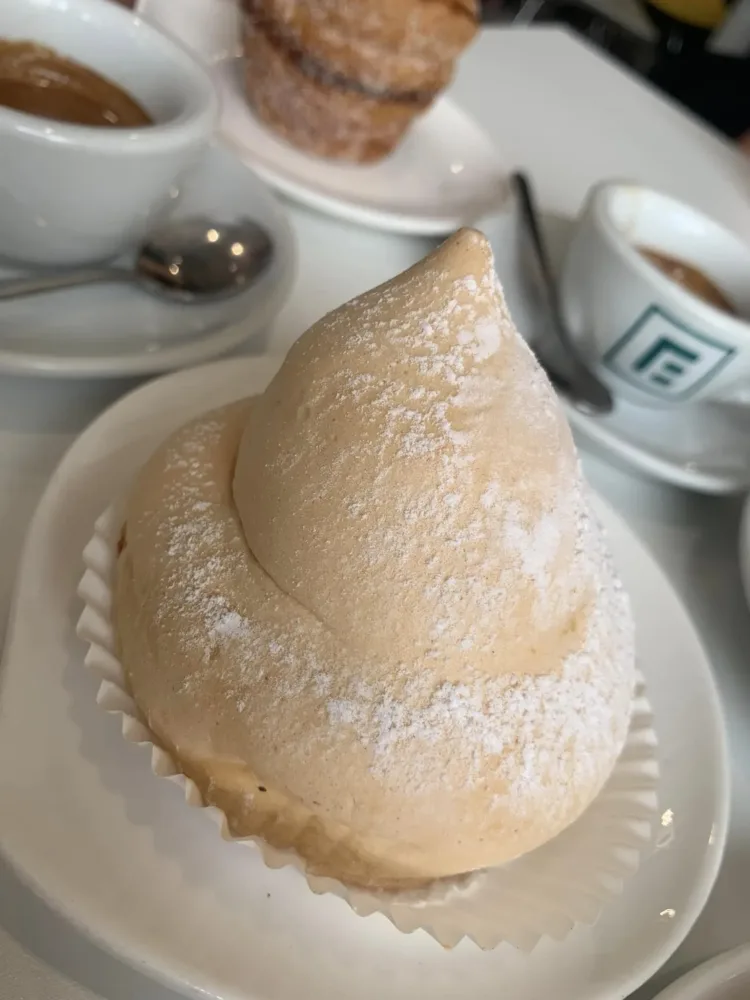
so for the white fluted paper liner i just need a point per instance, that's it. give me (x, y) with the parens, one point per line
(547, 892)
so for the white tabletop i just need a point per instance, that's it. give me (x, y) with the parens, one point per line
(555, 107)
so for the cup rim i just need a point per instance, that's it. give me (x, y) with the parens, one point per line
(600, 199)
(196, 117)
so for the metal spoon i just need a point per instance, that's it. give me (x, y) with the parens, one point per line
(586, 391)
(185, 260)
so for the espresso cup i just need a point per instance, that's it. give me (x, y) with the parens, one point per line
(648, 337)
(74, 194)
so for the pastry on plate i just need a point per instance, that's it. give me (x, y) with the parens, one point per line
(369, 612)
(345, 78)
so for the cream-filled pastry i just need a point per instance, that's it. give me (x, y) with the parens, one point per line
(370, 611)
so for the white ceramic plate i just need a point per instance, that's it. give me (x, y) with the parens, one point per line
(726, 977)
(117, 329)
(705, 448)
(444, 174)
(120, 854)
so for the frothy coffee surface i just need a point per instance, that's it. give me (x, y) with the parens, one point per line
(689, 277)
(39, 81)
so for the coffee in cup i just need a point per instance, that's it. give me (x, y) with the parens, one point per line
(689, 277)
(39, 81)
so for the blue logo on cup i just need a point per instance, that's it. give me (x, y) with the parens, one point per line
(665, 358)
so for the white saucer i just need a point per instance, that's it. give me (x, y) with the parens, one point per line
(726, 977)
(444, 174)
(705, 448)
(121, 855)
(117, 329)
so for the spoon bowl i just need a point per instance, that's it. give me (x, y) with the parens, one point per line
(199, 260)
(191, 261)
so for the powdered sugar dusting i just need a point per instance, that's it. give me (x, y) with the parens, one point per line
(454, 508)
(466, 632)
(483, 340)
(546, 732)
(536, 547)
(527, 736)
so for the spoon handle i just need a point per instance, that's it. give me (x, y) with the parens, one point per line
(531, 219)
(16, 288)
(587, 391)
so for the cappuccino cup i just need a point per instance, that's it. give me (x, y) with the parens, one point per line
(657, 297)
(75, 193)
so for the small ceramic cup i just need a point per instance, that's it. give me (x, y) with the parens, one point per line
(73, 194)
(651, 339)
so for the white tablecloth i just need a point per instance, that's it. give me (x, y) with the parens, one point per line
(556, 108)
